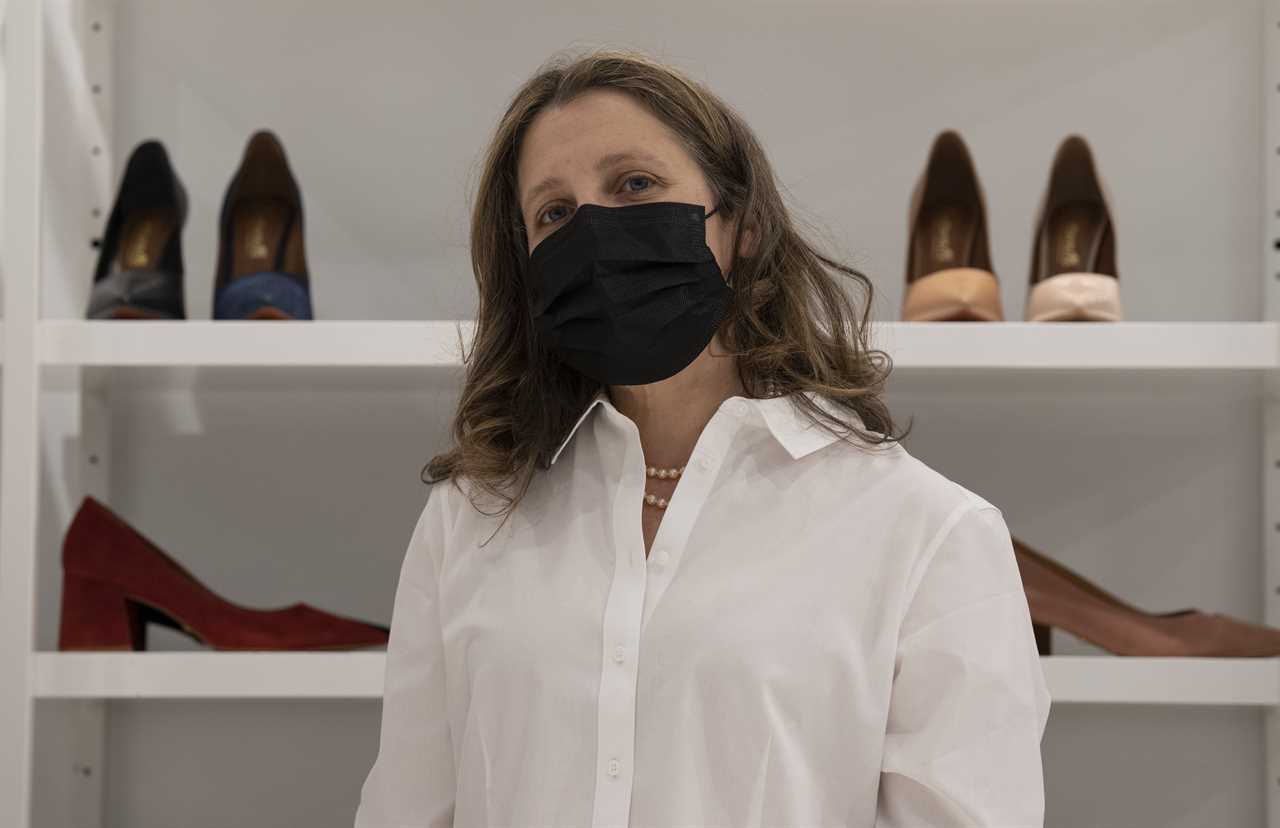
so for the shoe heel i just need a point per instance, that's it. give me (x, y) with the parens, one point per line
(1043, 645)
(97, 615)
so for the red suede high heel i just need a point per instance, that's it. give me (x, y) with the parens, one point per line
(115, 581)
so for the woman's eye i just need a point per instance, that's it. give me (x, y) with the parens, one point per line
(546, 214)
(549, 214)
(637, 178)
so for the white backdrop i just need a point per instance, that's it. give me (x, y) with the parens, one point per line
(385, 108)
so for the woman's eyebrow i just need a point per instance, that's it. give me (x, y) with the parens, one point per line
(604, 163)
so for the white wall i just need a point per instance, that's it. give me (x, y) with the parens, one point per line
(3, 4)
(384, 109)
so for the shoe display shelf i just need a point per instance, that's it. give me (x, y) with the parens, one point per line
(99, 358)
(392, 355)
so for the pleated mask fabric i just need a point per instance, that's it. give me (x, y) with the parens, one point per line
(628, 295)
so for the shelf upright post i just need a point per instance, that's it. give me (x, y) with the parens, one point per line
(73, 732)
(1271, 383)
(19, 425)
(87, 719)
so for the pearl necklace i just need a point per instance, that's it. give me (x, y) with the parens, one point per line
(666, 474)
(661, 474)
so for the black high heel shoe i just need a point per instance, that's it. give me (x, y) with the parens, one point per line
(262, 263)
(139, 273)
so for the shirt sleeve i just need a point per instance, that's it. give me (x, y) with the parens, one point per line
(412, 781)
(969, 701)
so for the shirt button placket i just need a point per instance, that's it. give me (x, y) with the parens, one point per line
(615, 746)
(616, 743)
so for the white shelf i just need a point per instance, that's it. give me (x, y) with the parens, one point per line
(409, 355)
(250, 344)
(359, 675)
(1126, 680)
(993, 345)
(199, 355)
(1182, 346)
(205, 675)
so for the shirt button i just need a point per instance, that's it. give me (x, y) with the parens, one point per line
(702, 463)
(617, 653)
(613, 767)
(738, 407)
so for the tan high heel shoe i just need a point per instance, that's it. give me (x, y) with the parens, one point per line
(1058, 597)
(949, 275)
(1073, 255)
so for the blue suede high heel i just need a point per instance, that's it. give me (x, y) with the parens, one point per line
(262, 264)
(139, 272)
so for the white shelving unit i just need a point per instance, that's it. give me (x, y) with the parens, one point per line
(1174, 346)
(1072, 679)
(97, 358)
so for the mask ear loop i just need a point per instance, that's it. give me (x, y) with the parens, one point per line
(727, 277)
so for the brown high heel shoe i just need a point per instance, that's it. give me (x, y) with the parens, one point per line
(1058, 597)
(1073, 255)
(115, 581)
(949, 274)
(262, 261)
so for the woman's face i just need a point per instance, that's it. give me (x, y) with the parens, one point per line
(604, 148)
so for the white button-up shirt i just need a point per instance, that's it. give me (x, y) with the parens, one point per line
(824, 634)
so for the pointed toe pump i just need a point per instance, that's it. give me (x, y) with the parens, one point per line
(262, 263)
(1058, 597)
(139, 271)
(949, 275)
(1073, 254)
(115, 581)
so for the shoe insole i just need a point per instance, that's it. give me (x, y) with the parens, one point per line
(143, 238)
(257, 235)
(1075, 235)
(944, 237)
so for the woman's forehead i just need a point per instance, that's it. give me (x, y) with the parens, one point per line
(587, 136)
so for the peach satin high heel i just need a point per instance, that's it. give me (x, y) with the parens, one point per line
(1073, 256)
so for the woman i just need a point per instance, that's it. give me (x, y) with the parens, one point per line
(680, 573)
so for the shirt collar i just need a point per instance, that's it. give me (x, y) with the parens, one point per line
(790, 426)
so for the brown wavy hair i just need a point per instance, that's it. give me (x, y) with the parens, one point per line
(791, 326)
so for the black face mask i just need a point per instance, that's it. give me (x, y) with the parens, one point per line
(628, 295)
